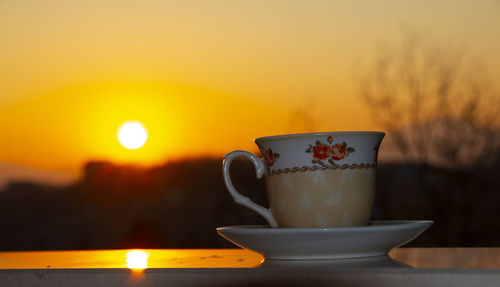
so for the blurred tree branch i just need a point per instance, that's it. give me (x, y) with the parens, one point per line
(442, 112)
(439, 107)
(302, 119)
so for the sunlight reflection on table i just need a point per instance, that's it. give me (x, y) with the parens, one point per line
(137, 259)
(131, 258)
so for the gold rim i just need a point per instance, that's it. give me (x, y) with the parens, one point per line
(319, 134)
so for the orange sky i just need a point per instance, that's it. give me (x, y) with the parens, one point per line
(205, 77)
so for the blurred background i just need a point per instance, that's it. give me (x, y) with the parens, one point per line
(115, 115)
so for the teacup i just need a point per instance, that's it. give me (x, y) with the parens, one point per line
(315, 180)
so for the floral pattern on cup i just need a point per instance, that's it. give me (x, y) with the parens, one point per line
(329, 152)
(270, 157)
(321, 151)
(339, 151)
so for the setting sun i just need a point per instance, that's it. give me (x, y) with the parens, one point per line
(132, 135)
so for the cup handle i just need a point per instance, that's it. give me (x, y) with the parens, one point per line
(260, 169)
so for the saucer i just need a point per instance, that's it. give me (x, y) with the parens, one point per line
(375, 239)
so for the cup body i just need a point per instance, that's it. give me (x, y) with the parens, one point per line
(321, 180)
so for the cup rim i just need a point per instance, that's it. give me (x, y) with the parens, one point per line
(305, 135)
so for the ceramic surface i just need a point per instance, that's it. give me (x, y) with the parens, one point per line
(321, 199)
(316, 180)
(319, 151)
(377, 239)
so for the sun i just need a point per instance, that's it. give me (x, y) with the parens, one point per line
(132, 135)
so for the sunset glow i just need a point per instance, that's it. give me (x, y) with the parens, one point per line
(201, 83)
(132, 135)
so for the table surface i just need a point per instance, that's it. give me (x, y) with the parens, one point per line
(237, 267)
(449, 258)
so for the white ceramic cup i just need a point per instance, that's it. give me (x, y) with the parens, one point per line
(315, 180)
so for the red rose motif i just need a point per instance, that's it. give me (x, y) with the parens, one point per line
(269, 157)
(321, 151)
(338, 151)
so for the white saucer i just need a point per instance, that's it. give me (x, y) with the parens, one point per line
(376, 239)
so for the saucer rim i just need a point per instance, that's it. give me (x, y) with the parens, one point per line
(380, 224)
(325, 243)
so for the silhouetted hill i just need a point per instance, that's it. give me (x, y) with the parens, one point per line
(462, 202)
(179, 205)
